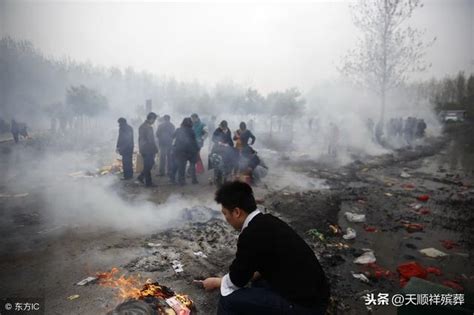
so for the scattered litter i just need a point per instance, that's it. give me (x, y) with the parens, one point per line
(379, 272)
(200, 254)
(14, 195)
(338, 245)
(448, 244)
(366, 258)
(423, 198)
(365, 169)
(408, 186)
(335, 229)
(361, 277)
(87, 281)
(413, 227)
(415, 206)
(388, 194)
(177, 266)
(177, 306)
(354, 217)
(150, 244)
(314, 233)
(350, 234)
(434, 270)
(432, 252)
(73, 297)
(453, 284)
(370, 229)
(409, 270)
(405, 175)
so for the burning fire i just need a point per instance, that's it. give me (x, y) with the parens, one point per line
(134, 287)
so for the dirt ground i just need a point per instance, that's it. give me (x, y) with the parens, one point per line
(41, 259)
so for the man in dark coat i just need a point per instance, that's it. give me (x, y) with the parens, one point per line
(125, 147)
(164, 134)
(185, 149)
(284, 273)
(148, 149)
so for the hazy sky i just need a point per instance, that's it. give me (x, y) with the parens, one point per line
(266, 45)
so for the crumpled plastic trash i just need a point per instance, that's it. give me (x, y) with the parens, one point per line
(73, 297)
(354, 217)
(87, 281)
(150, 244)
(405, 175)
(414, 227)
(412, 269)
(370, 229)
(366, 258)
(432, 252)
(177, 266)
(423, 198)
(350, 234)
(200, 254)
(416, 206)
(361, 277)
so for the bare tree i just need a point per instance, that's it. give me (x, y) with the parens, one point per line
(388, 50)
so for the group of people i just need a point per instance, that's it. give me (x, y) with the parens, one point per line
(179, 147)
(409, 129)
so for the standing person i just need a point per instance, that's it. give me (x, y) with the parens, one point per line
(125, 147)
(200, 130)
(211, 127)
(285, 275)
(148, 149)
(186, 149)
(164, 134)
(15, 130)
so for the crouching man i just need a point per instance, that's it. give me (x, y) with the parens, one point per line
(284, 274)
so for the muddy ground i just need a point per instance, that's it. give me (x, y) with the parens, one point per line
(41, 258)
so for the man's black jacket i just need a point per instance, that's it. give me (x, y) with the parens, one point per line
(269, 246)
(146, 139)
(125, 140)
(164, 133)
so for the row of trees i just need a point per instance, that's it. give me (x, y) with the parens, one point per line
(32, 84)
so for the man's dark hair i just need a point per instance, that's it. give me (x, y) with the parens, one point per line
(194, 115)
(166, 117)
(151, 116)
(236, 195)
(243, 126)
(122, 121)
(223, 124)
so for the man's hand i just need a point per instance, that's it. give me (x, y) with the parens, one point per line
(210, 283)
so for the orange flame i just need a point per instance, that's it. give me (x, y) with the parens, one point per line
(134, 287)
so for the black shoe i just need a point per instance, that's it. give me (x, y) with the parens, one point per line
(161, 174)
(181, 183)
(151, 185)
(195, 182)
(141, 180)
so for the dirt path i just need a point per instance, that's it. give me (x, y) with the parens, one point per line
(41, 259)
